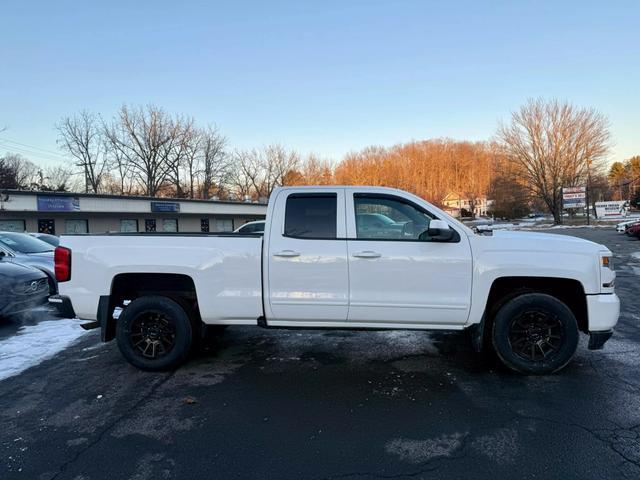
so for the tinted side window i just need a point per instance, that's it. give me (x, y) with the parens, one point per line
(311, 216)
(387, 218)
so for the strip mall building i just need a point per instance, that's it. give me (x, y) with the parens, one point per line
(59, 213)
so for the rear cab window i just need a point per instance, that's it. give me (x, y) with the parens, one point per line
(311, 216)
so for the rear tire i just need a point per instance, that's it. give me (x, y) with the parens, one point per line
(154, 333)
(535, 334)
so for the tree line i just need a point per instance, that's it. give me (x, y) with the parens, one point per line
(146, 151)
(624, 178)
(543, 147)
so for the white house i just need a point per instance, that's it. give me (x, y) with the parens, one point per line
(454, 204)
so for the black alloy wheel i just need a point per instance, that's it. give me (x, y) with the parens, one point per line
(535, 335)
(154, 333)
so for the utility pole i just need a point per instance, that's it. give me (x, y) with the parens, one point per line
(587, 190)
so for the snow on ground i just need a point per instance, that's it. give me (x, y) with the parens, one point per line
(35, 343)
(636, 255)
(522, 225)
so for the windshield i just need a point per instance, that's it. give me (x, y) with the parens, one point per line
(23, 243)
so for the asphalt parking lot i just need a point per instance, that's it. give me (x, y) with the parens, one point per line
(290, 404)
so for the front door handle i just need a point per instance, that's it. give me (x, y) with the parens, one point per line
(367, 254)
(287, 254)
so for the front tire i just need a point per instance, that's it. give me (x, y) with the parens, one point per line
(154, 333)
(535, 333)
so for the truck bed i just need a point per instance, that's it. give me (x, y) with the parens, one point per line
(225, 268)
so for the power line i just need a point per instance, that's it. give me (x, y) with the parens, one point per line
(13, 148)
(31, 153)
(5, 140)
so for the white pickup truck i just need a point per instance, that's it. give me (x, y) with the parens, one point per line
(343, 257)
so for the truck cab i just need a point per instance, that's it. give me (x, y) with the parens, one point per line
(329, 264)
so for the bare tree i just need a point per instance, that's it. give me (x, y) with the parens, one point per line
(20, 172)
(179, 152)
(554, 145)
(277, 163)
(214, 169)
(58, 179)
(146, 139)
(8, 174)
(243, 173)
(124, 168)
(81, 136)
(191, 158)
(258, 172)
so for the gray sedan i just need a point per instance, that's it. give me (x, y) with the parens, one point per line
(26, 250)
(21, 288)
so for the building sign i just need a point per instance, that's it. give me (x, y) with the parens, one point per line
(617, 209)
(574, 197)
(54, 203)
(171, 207)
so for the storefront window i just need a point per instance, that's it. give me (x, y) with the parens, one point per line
(76, 226)
(12, 225)
(169, 224)
(128, 225)
(223, 225)
(46, 226)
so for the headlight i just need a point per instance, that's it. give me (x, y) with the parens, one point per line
(607, 261)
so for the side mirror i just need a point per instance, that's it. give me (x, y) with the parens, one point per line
(439, 231)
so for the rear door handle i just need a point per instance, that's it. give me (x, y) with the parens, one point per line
(367, 254)
(287, 254)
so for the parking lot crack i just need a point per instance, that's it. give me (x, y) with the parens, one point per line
(110, 426)
(606, 436)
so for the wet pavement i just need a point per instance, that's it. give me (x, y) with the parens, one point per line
(291, 404)
(10, 326)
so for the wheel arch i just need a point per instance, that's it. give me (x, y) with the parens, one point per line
(569, 291)
(129, 286)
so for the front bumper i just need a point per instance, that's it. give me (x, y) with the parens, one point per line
(22, 304)
(603, 311)
(598, 339)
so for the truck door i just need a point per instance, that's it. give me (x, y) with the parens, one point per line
(397, 275)
(306, 277)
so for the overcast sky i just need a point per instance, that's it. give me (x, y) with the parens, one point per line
(326, 76)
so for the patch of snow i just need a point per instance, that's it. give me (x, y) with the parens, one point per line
(420, 451)
(496, 226)
(636, 255)
(35, 343)
(501, 446)
(582, 226)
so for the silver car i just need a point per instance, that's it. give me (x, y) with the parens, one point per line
(255, 227)
(26, 250)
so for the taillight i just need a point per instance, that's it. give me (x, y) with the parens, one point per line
(62, 260)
